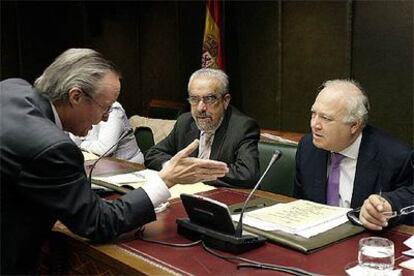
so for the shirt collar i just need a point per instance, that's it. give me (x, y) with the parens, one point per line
(58, 122)
(352, 150)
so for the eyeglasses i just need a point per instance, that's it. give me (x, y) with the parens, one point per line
(210, 99)
(353, 218)
(106, 110)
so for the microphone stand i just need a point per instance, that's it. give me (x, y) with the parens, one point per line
(126, 133)
(276, 156)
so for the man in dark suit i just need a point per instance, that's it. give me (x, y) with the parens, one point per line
(225, 133)
(369, 160)
(42, 171)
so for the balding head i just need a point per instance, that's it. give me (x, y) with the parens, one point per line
(351, 94)
(339, 114)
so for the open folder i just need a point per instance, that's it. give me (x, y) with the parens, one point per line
(298, 242)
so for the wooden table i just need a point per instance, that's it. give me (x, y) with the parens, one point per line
(131, 256)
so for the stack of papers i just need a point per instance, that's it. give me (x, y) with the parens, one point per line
(134, 180)
(300, 217)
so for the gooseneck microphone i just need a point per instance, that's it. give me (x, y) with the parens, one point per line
(123, 135)
(276, 156)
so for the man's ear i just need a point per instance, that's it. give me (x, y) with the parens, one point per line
(226, 99)
(356, 126)
(74, 96)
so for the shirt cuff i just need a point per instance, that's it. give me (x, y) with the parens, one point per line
(165, 164)
(156, 189)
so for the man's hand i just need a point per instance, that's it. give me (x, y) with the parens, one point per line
(187, 170)
(372, 212)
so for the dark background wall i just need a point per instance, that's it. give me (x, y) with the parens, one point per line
(277, 52)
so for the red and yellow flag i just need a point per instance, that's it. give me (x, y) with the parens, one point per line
(213, 56)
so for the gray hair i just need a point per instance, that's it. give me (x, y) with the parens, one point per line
(81, 68)
(212, 73)
(357, 103)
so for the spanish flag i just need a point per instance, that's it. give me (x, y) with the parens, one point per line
(213, 56)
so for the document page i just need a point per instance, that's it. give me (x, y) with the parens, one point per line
(133, 179)
(136, 179)
(89, 156)
(300, 217)
(179, 189)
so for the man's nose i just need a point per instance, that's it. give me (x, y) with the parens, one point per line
(201, 106)
(315, 122)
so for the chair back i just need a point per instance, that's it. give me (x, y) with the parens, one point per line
(144, 137)
(280, 178)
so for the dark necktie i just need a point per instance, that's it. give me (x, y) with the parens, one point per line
(332, 195)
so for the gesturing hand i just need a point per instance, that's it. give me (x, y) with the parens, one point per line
(183, 169)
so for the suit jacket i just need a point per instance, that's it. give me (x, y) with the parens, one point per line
(43, 180)
(235, 143)
(383, 164)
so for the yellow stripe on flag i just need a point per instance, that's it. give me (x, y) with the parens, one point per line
(212, 49)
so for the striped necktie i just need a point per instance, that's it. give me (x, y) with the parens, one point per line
(205, 145)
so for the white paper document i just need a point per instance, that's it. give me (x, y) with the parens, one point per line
(410, 243)
(89, 156)
(300, 217)
(137, 179)
(133, 179)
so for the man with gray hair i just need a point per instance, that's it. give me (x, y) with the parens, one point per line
(42, 171)
(344, 160)
(225, 133)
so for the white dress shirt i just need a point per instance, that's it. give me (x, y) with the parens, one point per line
(106, 134)
(155, 187)
(347, 172)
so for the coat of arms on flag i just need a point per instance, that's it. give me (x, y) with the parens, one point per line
(212, 56)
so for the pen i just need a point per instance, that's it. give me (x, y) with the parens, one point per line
(382, 199)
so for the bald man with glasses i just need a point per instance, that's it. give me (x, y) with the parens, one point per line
(225, 133)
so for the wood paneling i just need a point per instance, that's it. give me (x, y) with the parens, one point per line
(277, 52)
(382, 62)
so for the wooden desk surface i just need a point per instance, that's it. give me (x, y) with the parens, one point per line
(130, 256)
(294, 136)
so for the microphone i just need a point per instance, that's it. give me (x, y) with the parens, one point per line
(276, 156)
(123, 135)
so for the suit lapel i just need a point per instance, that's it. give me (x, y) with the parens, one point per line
(320, 167)
(220, 135)
(367, 172)
(194, 133)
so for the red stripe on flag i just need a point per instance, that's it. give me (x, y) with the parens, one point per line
(213, 55)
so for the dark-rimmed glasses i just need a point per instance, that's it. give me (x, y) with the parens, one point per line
(106, 110)
(353, 215)
(210, 99)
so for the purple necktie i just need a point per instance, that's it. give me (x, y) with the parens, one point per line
(332, 197)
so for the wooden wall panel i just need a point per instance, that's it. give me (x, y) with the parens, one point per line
(277, 52)
(113, 30)
(383, 63)
(159, 50)
(314, 50)
(253, 48)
